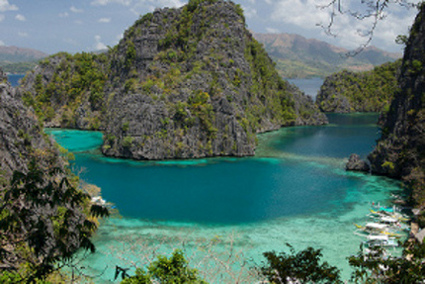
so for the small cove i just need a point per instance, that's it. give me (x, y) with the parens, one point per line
(295, 190)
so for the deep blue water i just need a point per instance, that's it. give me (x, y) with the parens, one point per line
(344, 135)
(14, 79)
(295, 190)
(232, 191)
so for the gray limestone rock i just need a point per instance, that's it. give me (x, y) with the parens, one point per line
(356, 164)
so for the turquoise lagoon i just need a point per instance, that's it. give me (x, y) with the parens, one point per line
(224, 212)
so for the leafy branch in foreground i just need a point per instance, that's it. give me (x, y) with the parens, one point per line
(44, 219)
(302, 266)
(376, 267)
(166, 270)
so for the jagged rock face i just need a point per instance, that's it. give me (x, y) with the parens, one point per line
(22, 142)
(356, 164)
(182, 83)
(329, 98)
(67, 91)
(197, 94)
(3, 76)
(370, 91)
(20, 133)
(400, 153)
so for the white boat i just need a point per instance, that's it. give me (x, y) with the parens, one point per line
(377, 229)
(381, 240)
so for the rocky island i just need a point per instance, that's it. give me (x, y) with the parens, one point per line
(370, 91)
(182, 83)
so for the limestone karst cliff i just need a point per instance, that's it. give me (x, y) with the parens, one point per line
(182, 83)
(400, 153)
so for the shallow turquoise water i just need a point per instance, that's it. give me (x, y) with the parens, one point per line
(294, 190)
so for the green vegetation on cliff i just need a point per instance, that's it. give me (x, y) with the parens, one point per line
(44, 215)
(182, 83)
(400, 153)
(370, 91)
(17, 68)
(64, 85)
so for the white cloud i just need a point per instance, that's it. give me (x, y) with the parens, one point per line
(168, 3)
(71, 41)
(304, 15)
(5, 6)
(104, 20)
(22, 34)
(64, 15)
(75, 10)
(106, 2)
(272, 30)
(20, 17)
(2, 17)
(299, 12)
(99, 45)
(78, 22)
(2, 43)
(249, 12)
(142, 6)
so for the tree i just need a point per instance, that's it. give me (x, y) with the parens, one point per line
(303, 266)
(173, 270)
(374, 267)
(44, 219)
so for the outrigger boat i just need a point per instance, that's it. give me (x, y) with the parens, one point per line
(380, 240)
(386, 213)
(377, 228)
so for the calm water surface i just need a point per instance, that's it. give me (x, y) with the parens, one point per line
(294, 190)
(14, 79)
(308, 86)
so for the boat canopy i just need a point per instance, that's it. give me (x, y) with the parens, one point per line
(378, 238)
(376, 226)
(389, 219)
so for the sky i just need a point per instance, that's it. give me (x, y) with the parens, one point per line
(73, 26)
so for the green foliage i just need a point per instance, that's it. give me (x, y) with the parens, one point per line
(125, 126)
(201, 107)
(370, 91)
(18, 67)
(416, 66)
(130, 55)
(270, 91)
(303, 266)
(401, 39)
(127, 141)
(192, 5)
(173, 270)
(376, 268)
(42, 217)
(76, 79)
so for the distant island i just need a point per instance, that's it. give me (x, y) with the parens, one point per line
(298, 57)
(18, 60)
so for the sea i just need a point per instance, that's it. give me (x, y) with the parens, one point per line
(224, 213)
(14, 79)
